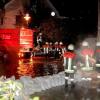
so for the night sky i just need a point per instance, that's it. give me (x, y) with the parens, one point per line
(80, 15)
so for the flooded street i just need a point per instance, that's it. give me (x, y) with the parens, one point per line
(36, 66)
(61, 93)
(87, 87)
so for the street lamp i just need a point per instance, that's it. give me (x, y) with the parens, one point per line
(27, 18)
(53, 13)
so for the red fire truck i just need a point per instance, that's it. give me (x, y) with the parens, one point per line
(16, 41)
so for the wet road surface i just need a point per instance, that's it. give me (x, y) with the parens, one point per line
(37, 66)
(41, 67)
(62, 93)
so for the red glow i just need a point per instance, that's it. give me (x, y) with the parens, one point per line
(26, 38)
(89, 52)
(69, 55)
(9, 38)
(98, 50)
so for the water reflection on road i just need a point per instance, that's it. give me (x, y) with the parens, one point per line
(37, 67)
(25, 68)
(62, 93)
(84, 90)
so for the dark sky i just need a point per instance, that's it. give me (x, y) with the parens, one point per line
(75, 7)
(81, 15)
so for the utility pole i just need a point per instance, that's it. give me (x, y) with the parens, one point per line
(98, 34)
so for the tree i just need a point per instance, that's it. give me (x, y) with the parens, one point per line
(51, 30)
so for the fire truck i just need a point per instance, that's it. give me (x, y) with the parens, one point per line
(17, 41)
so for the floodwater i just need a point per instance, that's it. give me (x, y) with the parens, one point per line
(41, 66)
(62, 93)
(36, 66)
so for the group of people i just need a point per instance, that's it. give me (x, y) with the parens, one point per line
(50, 47)
(58, 49)
(85, 56)
(86, 59)
(55, 50)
